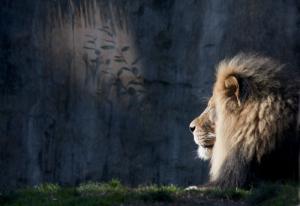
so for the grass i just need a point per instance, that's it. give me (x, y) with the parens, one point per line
(114, 193)
(231, 194)
(275, 195)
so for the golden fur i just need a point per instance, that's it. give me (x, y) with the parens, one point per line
(203, 129)
(256, 105)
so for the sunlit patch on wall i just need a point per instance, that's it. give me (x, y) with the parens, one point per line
(96, 38)
(111, 61)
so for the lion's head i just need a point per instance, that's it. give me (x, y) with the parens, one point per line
(249, 128)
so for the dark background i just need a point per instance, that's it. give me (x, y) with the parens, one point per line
(101, 89)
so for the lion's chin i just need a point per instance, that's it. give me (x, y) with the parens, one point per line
(204, 153)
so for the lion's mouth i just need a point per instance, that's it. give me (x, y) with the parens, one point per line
(206, 140)
(207, 146)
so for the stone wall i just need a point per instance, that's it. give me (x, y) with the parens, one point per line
(101, 89)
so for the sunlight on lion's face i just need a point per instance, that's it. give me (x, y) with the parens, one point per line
(203, 129)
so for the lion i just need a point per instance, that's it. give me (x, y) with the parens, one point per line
(249, 129)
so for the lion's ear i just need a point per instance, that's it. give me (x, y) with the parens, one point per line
(236, 88)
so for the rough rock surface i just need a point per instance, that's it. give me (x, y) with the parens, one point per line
(101, 89)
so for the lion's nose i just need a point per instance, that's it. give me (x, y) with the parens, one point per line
(192, 128)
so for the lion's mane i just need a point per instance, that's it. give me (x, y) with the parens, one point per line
(256, 104)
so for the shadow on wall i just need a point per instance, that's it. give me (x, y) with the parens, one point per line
(100, 88)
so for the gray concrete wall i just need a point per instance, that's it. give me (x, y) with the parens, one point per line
(99, 89)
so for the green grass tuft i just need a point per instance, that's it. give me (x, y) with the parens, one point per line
(156, 193)
(114, 193)
(95, 188)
